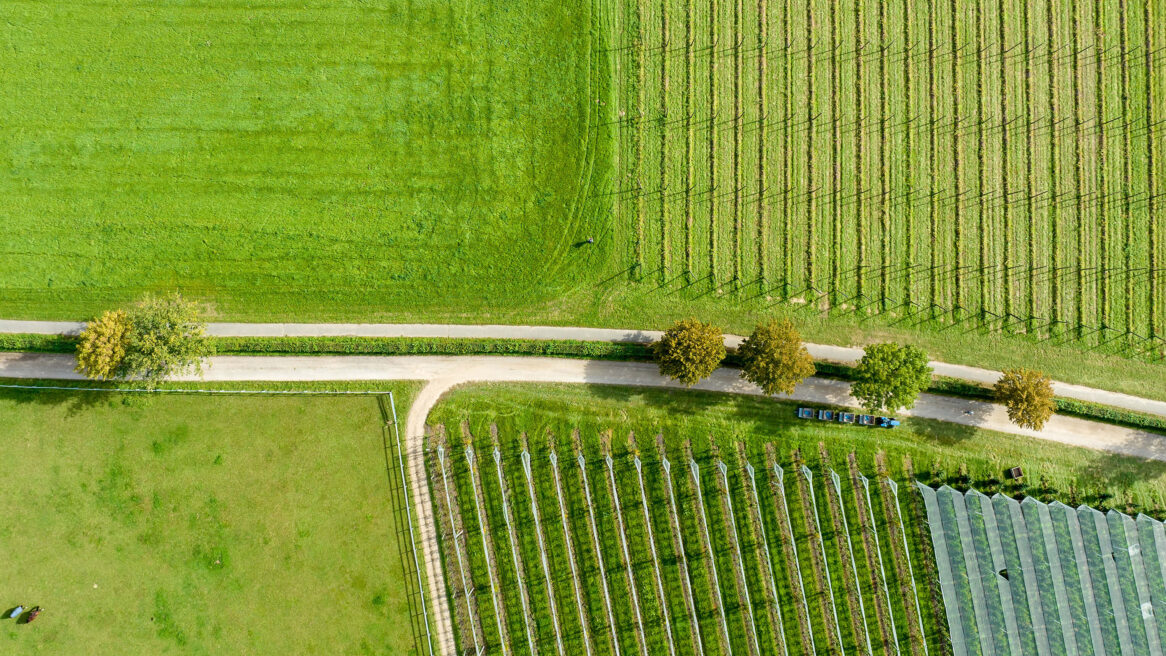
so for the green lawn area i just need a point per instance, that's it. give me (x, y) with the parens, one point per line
(303, 159)
(724, 418)
(202, 525)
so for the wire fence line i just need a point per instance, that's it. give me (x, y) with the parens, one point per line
(409, 519)
(161, 390)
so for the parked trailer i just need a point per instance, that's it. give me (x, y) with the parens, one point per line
(847, 418)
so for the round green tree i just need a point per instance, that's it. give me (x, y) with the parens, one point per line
(689, 351)
(774, 359)
(167, 338)
(1028, 396)
(890, 377)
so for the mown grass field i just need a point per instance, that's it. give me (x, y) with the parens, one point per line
(995, 163)
(202, 525)
(304, 159)
(719, 569)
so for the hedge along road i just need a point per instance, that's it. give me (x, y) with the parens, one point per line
(446, 372)
(824, 352)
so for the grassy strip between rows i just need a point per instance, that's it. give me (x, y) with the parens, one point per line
(548, 348)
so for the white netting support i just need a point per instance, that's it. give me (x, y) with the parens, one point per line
(724, 470)
(1011, 512)
(1053, 555)
(1105, 552)
(1085, 576)
(879, 552)
(575, 584)
(836, 481)
(458, 549)
(1126, 581)
(972, 567)
(1032, 537)
(951, 602)
(708, 543)
(894, 488)
(598, 552)
(482, 522)
(996, 551)
(542, 550)
(1129, 536)
(768, 559)
(514, 556)
(623, 543)
(681, 557)
(779, 473)
(809, 476)
(1155, 540)
(664, 614)
(789, 527)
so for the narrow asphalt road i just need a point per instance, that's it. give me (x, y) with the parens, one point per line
(826, 352)
(445, 372)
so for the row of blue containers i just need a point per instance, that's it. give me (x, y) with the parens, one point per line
(847, 418)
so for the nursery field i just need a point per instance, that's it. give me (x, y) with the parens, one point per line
(305, 159)
(203, 525)
(669, 550)
(718, 525)
(999, 161)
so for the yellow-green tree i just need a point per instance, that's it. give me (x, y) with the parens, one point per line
(774, 359)
(102, 350)
(690, 351)
(1028, 396)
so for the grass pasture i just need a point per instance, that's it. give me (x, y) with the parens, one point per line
(832, 537)
(202, 525)
(997, 160)
(308, 159)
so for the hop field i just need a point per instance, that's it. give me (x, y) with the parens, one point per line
(998, 160)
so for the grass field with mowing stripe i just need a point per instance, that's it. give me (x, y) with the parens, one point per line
(313, 159)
